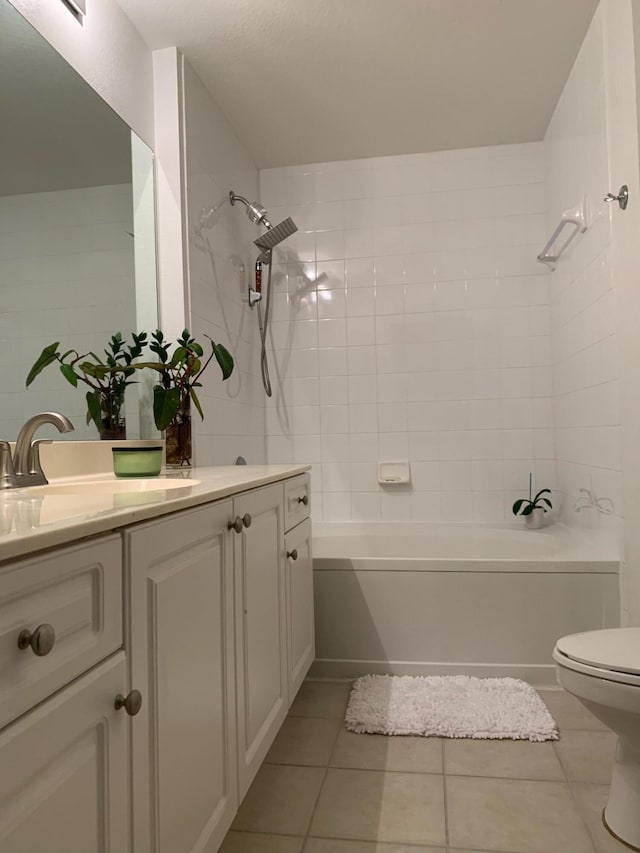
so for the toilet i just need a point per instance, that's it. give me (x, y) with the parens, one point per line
(602, 670)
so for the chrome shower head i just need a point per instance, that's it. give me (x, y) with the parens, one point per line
(276, 234)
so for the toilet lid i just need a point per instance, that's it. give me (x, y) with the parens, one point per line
(614, 649)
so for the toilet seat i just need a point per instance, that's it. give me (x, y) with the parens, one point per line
(612, 654)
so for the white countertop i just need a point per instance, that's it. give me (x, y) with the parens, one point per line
(31, 521)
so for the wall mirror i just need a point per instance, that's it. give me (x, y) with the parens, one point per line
(77, 231)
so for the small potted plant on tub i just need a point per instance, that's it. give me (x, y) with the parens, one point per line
(534, 508)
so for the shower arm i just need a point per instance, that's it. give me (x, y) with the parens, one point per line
(256, 213)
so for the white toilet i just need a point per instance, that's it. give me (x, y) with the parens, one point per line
(602, 669)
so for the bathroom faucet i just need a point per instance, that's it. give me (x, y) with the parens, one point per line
(25, 468)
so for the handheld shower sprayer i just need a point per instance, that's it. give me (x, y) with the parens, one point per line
(266, 242)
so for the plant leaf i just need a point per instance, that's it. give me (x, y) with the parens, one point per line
(542, 492)
(528, 509)
(518, 505)
(47, 356)
(165, 405)
(547, 502)
(196, 403)
(94, 410)
(224, 359)
(69, 374)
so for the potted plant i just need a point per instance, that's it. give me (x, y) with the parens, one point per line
(179, 376)
(107, 379)
(534, 508)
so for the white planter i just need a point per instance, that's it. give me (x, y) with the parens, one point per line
(534, 519)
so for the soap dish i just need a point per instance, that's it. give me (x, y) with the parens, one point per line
(137, 461)
(393, 473)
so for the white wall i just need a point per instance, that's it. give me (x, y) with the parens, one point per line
(106, 50)
(220, 264)
(582, 288)
(426, 336)
(592, 147)
(67, 274)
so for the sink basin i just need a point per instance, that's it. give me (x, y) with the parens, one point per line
(113, 487)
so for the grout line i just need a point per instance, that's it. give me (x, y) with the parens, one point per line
(315, 806)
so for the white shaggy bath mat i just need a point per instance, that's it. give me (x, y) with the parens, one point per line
(449, 706)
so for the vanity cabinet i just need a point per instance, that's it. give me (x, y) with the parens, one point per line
(261, 631)
(300, 617)
(64, 784)
(208, 612)
(180, 639)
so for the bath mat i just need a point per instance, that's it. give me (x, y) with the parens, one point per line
(455, 706)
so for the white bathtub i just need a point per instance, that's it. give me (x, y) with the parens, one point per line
(418, 599)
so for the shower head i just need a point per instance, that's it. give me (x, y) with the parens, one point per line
(276, 234)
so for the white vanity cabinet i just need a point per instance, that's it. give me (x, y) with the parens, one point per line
(64, 785)
(261, 630)
(217, 636)
(180, 641)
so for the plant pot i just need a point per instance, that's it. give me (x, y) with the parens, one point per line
(113, 431)
(178, 438)
(535, 519)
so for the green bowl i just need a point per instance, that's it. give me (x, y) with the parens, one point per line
(137, 461)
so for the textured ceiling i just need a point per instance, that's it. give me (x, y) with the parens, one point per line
(315, 80)
(57, 133)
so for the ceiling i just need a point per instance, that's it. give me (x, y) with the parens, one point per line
(57, 133)
(316, 80)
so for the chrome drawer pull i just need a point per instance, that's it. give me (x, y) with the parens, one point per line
(246, 520)
(304, 500)
(293, 554)
(131, 703)
(41, 641)
(236, 524)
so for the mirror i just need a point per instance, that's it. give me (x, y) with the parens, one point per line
(76, 185)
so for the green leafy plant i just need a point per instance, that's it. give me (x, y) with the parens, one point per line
(525, 507)
(107, 378)
(179, 375)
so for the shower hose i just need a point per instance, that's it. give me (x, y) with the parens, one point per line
(263, 325)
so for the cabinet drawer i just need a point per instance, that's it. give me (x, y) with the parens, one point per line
(76, 591)
(297, 500)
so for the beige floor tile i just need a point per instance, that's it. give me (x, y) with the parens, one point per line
(280, 800)
(508, 759)
(592, 799)
(514, 816)
(587, 756)
(378, 752)
(568, 712)
(321, 699)
(327, 845)
(304, 740)
(369, 805)
(251, 842)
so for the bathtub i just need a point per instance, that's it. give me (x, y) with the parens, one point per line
(435, 599)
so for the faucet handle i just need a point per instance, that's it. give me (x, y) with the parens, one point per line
(7, 473)
(36, 466)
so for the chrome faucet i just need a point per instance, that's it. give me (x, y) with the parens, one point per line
(25, 468)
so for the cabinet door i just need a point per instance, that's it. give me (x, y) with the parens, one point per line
(180, 635)
(63, 785)
(260, 628)
(300, 624)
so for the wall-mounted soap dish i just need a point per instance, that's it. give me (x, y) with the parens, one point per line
(393, 473)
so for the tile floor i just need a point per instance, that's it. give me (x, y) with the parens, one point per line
(325, 790)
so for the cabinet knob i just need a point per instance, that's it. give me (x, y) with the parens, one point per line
(246, 520)
(236, 524)
(41, 641)
(293, 555)
(131, 703)
(304, 500)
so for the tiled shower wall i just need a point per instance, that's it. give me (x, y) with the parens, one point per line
(583, 306)
(410, 321)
